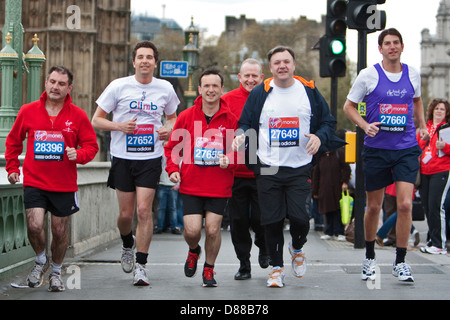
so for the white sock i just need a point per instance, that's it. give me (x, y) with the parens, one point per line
(41, 258)
(56, 268)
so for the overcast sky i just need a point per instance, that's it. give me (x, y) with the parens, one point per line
(410, 17)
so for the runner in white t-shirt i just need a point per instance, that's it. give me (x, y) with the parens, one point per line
(137, 104)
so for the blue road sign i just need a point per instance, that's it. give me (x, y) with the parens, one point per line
(174, 69)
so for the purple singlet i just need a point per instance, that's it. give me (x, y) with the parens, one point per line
(391, 103)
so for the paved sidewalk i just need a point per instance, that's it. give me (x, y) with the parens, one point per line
(333, 272)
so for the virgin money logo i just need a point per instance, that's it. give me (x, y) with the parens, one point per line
(275, 123)
(393, 108)
(40, 135)
(386, 108)
(201, 142)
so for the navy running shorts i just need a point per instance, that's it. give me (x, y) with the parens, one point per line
(383, 167)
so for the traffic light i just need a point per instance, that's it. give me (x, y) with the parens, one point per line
(364, 15)
(332, 45)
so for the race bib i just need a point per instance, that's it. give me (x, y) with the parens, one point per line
(142, 139)
(284, 132)
(393, 117)
(48, 145)
(207, 153)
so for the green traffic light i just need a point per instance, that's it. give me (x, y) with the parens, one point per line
(337, 47)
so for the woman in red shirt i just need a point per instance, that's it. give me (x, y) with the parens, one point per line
(434, 169)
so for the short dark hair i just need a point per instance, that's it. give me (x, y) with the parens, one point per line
(62, 70)
(146, 44)
(280, 49)
(208, 72)
(390, 31)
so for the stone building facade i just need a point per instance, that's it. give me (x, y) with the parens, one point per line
(90, 37)
(435, 49)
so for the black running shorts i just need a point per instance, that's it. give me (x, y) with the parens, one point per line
(60, 204)
(199, 205)
(125, 175)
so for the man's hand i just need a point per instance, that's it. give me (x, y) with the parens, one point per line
(313, 144)
(175, 177)
(224, 161)
(164, 133)
(372, 129)
(128, 127)
(237, 142)
(423, 134)
(71, 154)
(14, 178)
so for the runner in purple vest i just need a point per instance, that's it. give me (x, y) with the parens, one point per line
(392, 94)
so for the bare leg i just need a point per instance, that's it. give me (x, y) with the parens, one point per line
(213, 239)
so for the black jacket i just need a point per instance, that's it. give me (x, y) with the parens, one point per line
(322, 122)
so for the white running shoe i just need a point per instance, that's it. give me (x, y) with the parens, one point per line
(435, 250)
(276, 278)
(127, 258)
(55, 282)
(403, 272)
(140, 275)
(368, 269)
(36, 276)
(298, 261)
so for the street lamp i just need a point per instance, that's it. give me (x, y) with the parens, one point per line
(190, 52)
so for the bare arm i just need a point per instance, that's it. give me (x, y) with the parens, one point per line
(420, 117)
(350, 110)
(164, 132)
(99, 121)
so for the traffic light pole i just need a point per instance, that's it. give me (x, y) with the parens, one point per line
(360, 195)
(334, 96)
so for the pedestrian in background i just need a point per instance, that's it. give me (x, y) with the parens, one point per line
(330, 179)
(434, 176)
(167, 194)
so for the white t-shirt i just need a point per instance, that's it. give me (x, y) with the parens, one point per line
(284, 121)
(367, 81)
(129, 99)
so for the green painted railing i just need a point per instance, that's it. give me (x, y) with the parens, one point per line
(16, 252)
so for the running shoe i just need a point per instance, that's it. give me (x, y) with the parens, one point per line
(55, 282)
(140, 275)
(416, 237)
(403, 272)
(276, 278)
(368, 269)
(36, 276)
(298, 261)
(424, 249)
(190, 267)
(434, 250)
(208, 277)
(127, 258)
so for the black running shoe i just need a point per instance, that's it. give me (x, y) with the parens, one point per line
(190, 267)
(208, 277)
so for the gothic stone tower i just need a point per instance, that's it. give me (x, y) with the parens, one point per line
(435, 70)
